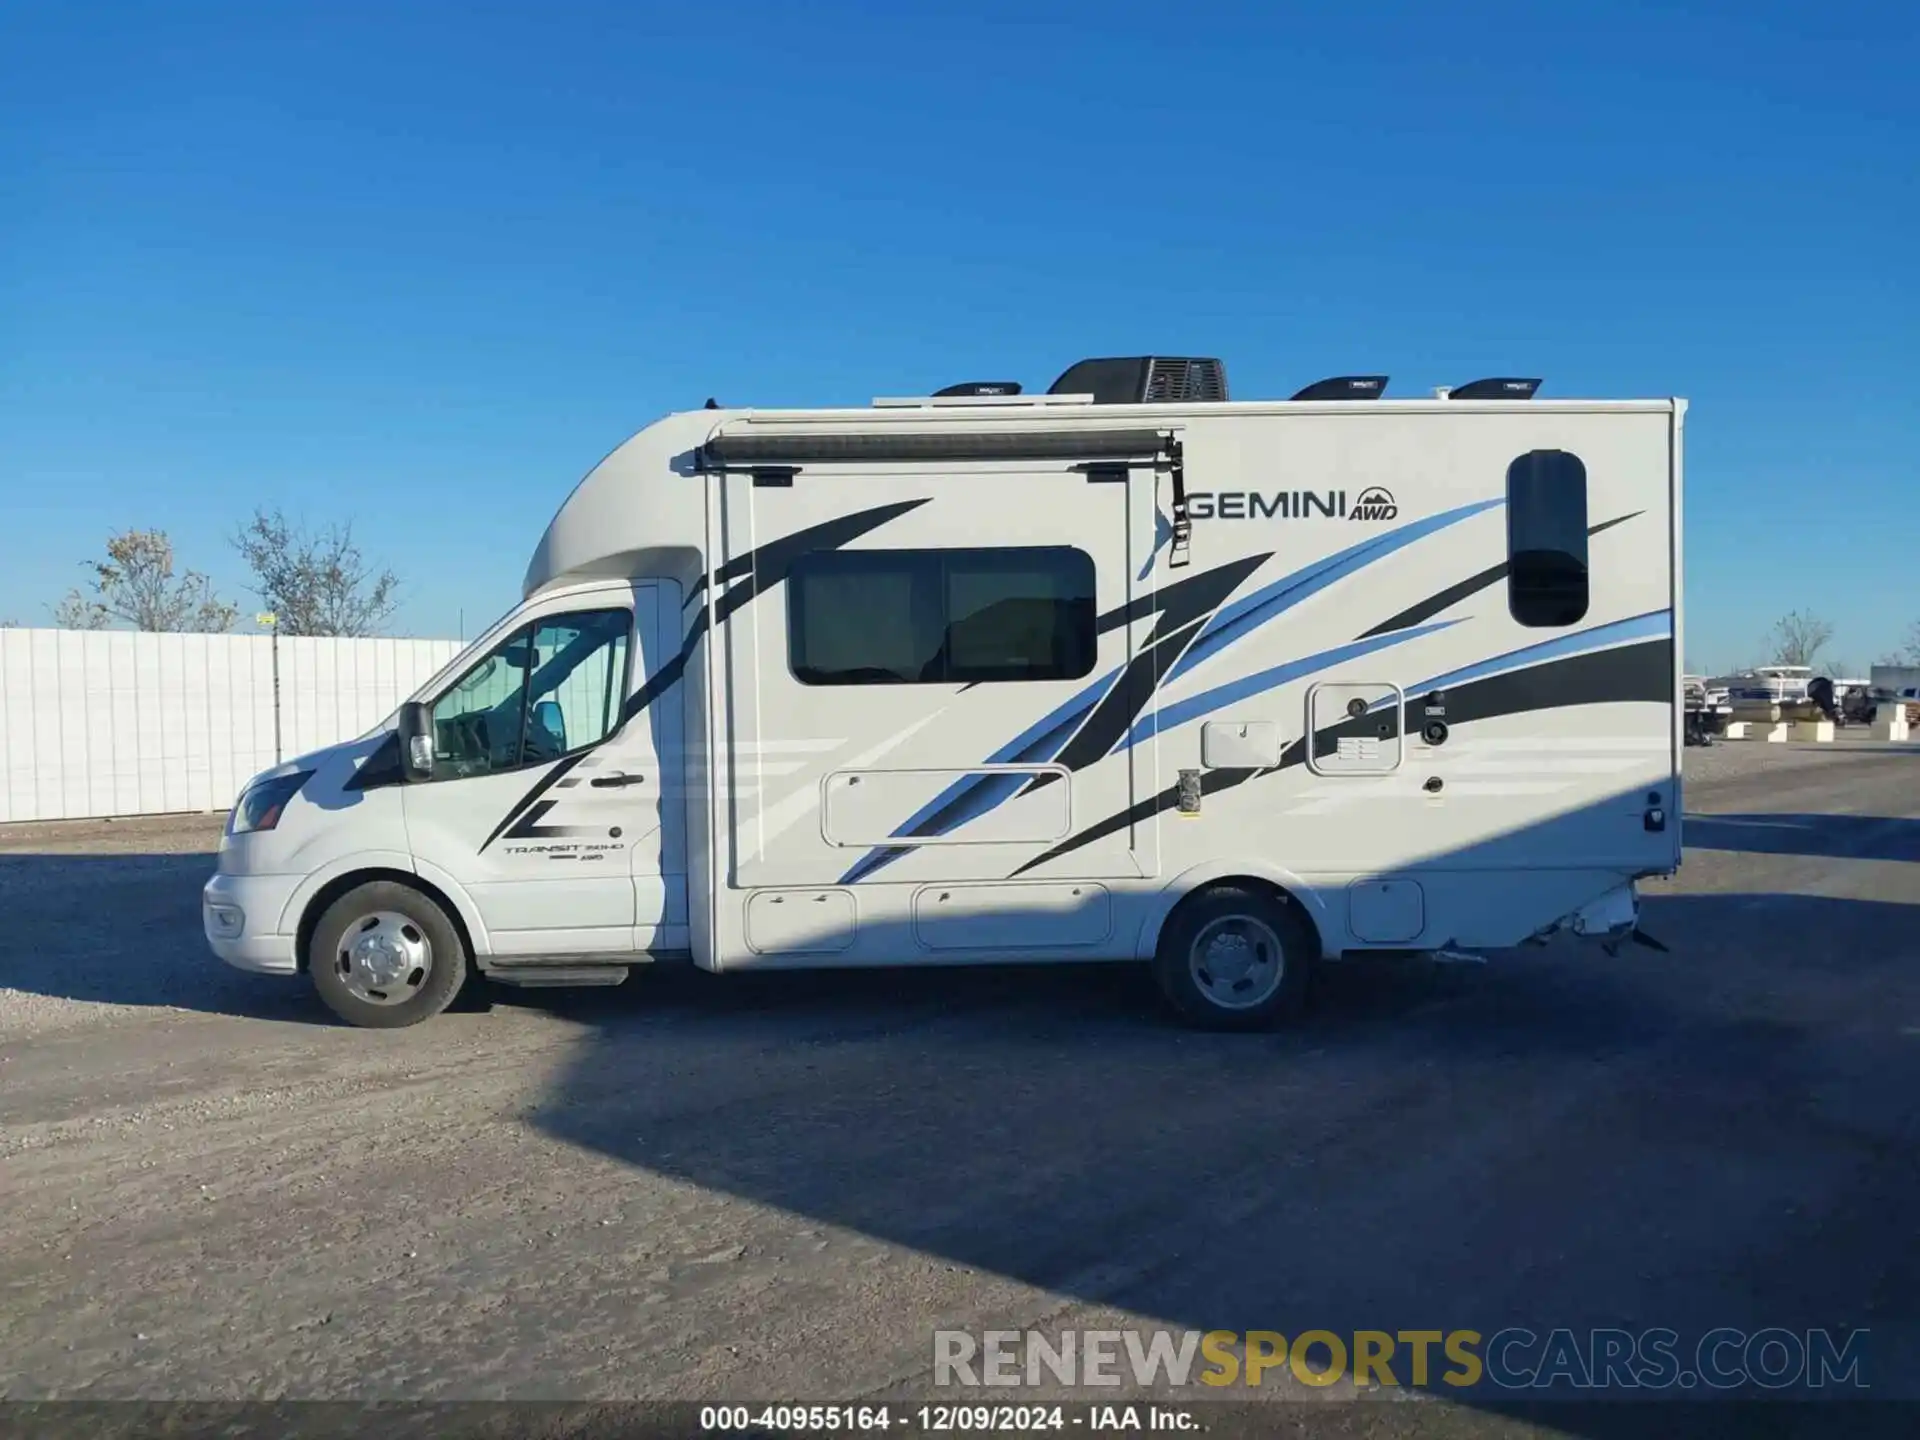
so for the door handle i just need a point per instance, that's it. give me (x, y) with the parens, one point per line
(609, 782)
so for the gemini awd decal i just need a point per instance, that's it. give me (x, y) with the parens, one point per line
(1375, 503)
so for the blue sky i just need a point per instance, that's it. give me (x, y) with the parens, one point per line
(420, 266)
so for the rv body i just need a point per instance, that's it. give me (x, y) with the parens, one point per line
(994, 678)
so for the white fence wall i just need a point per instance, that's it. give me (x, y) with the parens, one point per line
(110, 722)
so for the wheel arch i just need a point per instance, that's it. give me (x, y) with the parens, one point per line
(1282, 884)
(325, 892)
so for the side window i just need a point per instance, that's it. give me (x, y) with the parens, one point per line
(579, 682)
(1547, 538)
(941, 617)
(546, 690)
(864, 617)
(1019, 615)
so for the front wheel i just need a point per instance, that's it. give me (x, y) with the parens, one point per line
(385, 956)
(1236, 958)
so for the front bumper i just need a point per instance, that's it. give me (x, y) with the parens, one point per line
(240, 915)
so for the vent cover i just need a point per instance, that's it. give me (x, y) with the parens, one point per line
(1346, 387)
(982, 388)
(1145, 380)
(1499, 387)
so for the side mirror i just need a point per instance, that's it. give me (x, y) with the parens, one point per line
(416, 741)
(547, 717)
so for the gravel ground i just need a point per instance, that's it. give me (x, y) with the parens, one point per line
(778, 1186)
(1728, 759)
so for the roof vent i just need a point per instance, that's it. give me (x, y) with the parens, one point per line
(1145, 380)
(1346, 387)
(1499, 387)
(982, 387)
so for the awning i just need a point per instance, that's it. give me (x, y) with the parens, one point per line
(891, 443)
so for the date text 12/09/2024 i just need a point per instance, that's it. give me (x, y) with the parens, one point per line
(942, 1419)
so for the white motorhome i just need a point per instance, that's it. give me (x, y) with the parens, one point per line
(1127, 671)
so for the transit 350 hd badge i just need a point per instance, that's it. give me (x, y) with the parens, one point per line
(1376, 502)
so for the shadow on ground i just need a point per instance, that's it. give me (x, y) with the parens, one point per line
(1725, 1136)
(133, 938)
(1850, 837)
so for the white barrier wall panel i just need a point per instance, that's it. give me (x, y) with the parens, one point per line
(114, 722)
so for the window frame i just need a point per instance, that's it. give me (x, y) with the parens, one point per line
(525, 631)
(1516, 598)
(912, 556)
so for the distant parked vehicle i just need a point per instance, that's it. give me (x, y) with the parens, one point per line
(1767, 684)
(1707, 710)
(1858, 706)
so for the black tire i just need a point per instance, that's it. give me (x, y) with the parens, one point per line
(418, 926)
(1254, 914)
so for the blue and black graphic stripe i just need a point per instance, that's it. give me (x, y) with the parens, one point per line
(1192, 626)
(1085, 728)
(1637, 672)
(1446, 599)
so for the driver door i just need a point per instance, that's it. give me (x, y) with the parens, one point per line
(539, 792)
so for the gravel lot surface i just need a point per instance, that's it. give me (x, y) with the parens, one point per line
(778, 1186)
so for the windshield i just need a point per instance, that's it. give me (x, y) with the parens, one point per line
(463, 658)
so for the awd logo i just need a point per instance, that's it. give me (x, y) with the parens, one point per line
(1376, 502)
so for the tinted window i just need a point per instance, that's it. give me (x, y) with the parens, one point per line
(1547, 538)
(579, 682)
(545, 690)
(940, 617)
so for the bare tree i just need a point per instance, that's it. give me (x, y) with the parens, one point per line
(1912, 649)
(315, 583)
(1796, 639)
(136, 585)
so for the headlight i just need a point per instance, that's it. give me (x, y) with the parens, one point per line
(261, 803)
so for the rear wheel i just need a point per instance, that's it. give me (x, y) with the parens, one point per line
(1236, 958)
(384, 956)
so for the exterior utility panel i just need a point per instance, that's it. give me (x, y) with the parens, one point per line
(947, 682)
